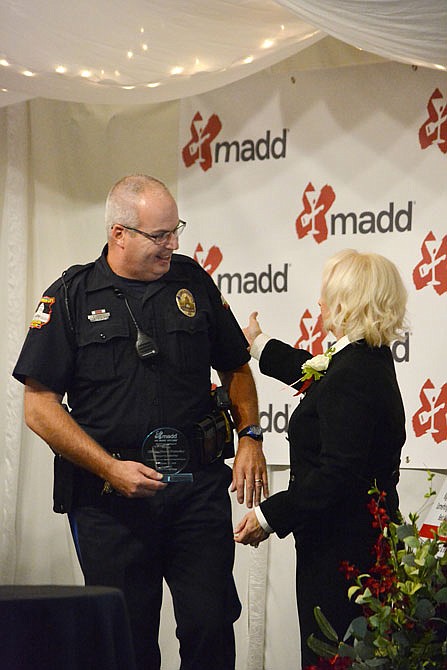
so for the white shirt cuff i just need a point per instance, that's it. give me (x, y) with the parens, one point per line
(262, 520)
(258, 345)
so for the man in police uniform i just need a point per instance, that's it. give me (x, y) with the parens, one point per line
(130, 340)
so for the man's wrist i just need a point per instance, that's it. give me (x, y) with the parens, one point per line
(254, 431)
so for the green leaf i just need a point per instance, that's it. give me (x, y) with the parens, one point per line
(405, 531)
(424, 610)
(412, 542)
(352, 590)
(409, 588)
(376, 663)
(401, 639)
(321, 648)
(346, 650)
(364, 651)
(408, 559)
(358, 628)
(324, 625)
(441, 595)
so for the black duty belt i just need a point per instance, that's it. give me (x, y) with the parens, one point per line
(204, 442)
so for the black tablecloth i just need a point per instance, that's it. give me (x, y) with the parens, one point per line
(64, 628)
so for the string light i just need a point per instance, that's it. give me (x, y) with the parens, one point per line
(197, 65)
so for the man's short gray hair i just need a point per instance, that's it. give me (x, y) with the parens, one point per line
(123, 198)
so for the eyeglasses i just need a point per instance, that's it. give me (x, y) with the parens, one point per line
(158, 238)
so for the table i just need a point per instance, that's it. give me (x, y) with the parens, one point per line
(64, 628)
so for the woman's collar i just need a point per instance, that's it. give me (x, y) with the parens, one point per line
(340, 344)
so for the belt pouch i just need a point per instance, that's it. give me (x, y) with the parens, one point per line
(63, 484)
(209, 436)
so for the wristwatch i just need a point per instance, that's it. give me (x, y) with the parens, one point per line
(253, 431)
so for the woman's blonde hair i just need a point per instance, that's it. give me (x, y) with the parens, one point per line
(365, 297)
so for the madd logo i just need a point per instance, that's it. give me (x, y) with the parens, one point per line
(434, 130)
(209, 260)
(431, 417)
(432, 269)
(204, 149)
(270, 280)
(312, 334)
(316, 220)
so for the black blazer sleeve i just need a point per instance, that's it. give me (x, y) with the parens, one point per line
(347, 431)
(282, 361)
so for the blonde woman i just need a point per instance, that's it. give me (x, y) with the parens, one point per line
(347, 431)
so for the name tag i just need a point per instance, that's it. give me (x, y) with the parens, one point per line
(98, 315)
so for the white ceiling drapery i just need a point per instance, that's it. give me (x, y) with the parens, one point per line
(145, 51)
(140, 51)
(409, 31)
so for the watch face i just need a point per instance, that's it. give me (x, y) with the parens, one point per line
(253, 431)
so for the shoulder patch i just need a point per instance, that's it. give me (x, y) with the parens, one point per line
(42, 315)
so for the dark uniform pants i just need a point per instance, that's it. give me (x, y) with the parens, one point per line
(184, 535)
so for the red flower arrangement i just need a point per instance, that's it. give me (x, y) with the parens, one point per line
(403, 625)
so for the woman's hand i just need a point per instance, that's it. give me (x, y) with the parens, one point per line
(253, 329)
(249, 531)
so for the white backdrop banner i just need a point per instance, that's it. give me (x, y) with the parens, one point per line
(277, 174)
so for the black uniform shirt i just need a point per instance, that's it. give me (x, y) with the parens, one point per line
(116, 397)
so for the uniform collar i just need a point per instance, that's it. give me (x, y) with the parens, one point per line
(104, 277)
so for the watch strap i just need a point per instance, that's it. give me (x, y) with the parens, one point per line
(254, 431)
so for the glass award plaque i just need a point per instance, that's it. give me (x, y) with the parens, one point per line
(167, 451)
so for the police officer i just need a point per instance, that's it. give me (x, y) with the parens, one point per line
(128, 342)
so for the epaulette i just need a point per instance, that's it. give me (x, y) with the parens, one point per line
(181, 258)
(67, 276)
(71, 272)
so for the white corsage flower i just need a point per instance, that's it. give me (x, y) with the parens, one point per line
(315, 367)
(318, 363)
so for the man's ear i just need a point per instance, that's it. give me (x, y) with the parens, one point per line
(117, 234)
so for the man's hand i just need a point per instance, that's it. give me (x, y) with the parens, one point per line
(134, 480)
(45, 415)
(253, 329)
(249, 468)
(250, 472)
(249, 531)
